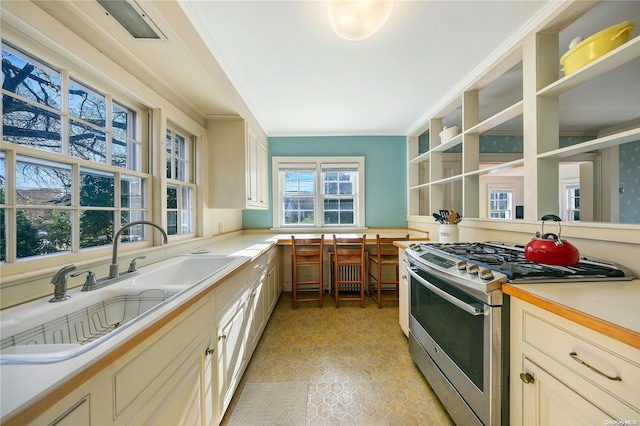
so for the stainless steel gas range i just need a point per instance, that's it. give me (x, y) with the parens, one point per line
(459, 324)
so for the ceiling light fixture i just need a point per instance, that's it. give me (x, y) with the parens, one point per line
(131, 16)
(358, 19)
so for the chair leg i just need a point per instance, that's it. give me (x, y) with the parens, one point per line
(294, 287)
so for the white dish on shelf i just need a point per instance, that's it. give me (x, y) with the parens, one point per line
(448, 133)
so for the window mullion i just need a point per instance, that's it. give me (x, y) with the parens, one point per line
(108, 135)
(318, 213)
(75, 207)
(64, 112)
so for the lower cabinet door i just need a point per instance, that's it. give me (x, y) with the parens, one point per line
(230, 353)
(184, 401)
(547, 401)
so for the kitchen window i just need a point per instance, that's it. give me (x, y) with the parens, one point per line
(180, 185)
(318, 192)
(500, 203)
(71, 168)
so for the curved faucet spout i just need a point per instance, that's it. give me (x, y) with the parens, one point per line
(113, 268)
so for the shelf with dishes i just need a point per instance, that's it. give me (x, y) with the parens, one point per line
(608, 62)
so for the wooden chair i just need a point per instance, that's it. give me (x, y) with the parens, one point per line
(307, 253)
(348, 269)
(386, 255)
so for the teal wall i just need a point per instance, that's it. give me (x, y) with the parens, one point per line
(385, 174)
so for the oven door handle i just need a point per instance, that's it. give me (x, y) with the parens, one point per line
(470, 309)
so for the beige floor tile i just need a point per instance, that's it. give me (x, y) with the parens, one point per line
(356, 361)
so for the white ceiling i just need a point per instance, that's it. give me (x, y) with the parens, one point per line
(298, 77)
(279, 62)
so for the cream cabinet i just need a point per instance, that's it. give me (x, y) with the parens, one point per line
(562, 373)
(238, 160)
(403, 290)
(89, 403)
(522, 113)
(163, 378)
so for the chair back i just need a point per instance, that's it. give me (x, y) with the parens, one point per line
(385, 247)
(307, 249)
(349, 249)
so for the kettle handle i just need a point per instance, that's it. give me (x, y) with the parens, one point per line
(555, 219)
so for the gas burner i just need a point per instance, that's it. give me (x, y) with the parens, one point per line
(511, 261)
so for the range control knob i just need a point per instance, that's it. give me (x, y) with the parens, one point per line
(461, 265)
(472, 269)
(485, 274)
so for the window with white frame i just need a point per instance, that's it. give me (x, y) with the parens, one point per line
(70, 166)
(572, 202)
(180, 183)
(318, 192)
(500, 203)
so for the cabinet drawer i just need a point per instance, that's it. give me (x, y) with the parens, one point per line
(231, 291)
(584, 357)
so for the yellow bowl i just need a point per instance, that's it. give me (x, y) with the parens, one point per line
(595, 46)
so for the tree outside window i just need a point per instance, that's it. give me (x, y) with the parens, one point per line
(43, 206)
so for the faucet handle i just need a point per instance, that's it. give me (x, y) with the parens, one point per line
(61, 273)
(90, 282)
(132, 265)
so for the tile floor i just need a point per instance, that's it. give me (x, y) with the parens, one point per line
(356, 361)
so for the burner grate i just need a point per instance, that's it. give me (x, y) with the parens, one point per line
(511, 261)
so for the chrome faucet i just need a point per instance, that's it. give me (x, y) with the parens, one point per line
(59, 280)
(113, 268)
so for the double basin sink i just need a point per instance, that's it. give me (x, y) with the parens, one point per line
(42, 332)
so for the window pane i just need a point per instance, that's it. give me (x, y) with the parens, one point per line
(42, 183)
(96, 228)
(169, 143)
(331, 203)
(120, 119)
(187, 222)
(26, 77)
(87, 143)
(87, 104)
(42, 231)
(96, 188)
(3, 177)
(131, 192)
(346, 218)
(186, 198)
(331, 218)
(172, 197)
(26, 124)
(172, 222)
(129, 216)
(346, 188)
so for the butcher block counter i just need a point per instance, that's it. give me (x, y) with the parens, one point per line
(609, 307)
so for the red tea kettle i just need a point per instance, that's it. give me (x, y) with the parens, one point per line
(550, 249)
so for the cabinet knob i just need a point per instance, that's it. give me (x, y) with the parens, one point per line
(222, 336)
(526, 378)
(208, 351)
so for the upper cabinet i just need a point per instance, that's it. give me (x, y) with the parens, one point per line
(573, 134)
(239, 165)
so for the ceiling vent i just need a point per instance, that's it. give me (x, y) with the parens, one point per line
(131, 16)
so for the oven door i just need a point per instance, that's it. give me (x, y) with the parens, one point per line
(462, 337)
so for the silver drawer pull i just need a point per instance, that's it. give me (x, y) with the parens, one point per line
(575, 357)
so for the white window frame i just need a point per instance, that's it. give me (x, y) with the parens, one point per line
(316, 163)
(185, 214)
(491, 188)
(567, 207)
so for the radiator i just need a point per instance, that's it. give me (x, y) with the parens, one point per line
(350, 273)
